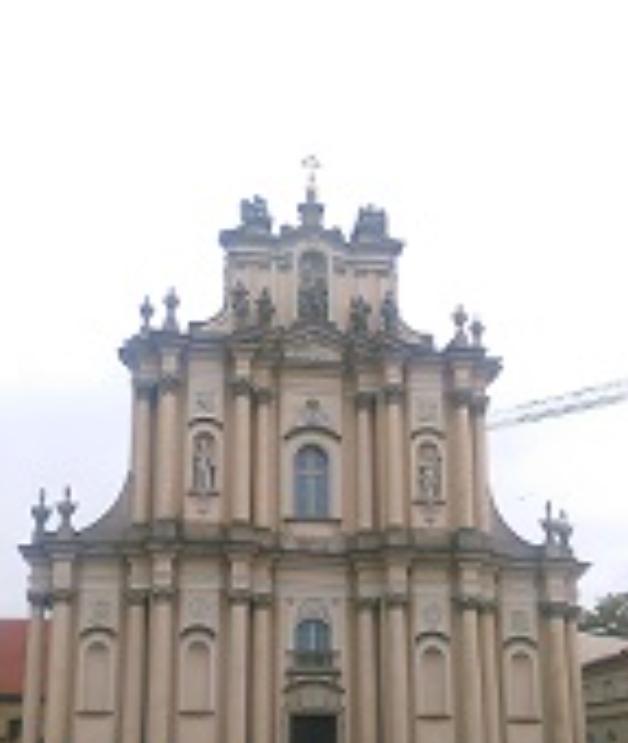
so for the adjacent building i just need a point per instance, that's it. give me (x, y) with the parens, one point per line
(305, 548)
(605, 677)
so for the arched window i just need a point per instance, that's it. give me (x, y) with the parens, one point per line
(433, 681)
(97, 677)
(312, 636)
(313, 294)
(522, 701)
(311, 483)
(196, 676)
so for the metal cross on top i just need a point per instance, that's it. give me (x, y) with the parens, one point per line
(311, 163)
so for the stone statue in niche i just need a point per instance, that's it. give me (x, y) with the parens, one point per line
(204, 464)
(265, 309)
(389, 313)
(240, 303)
(254, 215)
(429, 473)
(359, 312)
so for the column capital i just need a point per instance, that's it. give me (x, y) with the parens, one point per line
(469, 602)
(262, 600)
(479, 403)
(169, 382)
(393, 393)
(62, 595)
(462, 397)
(239, 596)
(365, 399)
(143, 386)
(553, 609)
(367, 603)
(38, 599)
(396, 600)
(264, 395)
(241, 387)
(163, 593)
(136, 596)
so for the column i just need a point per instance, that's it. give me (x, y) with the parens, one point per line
(364, 459)
(262, 461)
(141, 448)
(472, 718)
(263, 678)
(560, 713)
(241, 510)
(395, 513)
(59, 669)
(33, 682)
(134, 667)
(482, 510)
(463, 459)
(490, 675)
(397, 680)
(160, 692)
(367, 707)
(167, 447)
(238, 675)
(577, 702)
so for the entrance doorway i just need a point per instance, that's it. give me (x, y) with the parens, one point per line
(313, 729)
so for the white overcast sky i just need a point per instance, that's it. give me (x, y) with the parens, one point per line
(495, 134)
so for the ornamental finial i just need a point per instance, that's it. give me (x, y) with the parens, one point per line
(146, 313)
(311, 164)
(41, 514)
(66, 509)
(460, 319)
(477, 332)
(171, 302)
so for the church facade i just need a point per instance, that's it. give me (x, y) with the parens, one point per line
(305, 548)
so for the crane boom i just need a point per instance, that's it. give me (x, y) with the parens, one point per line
(577, 401)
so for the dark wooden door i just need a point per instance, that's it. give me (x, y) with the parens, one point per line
(313, 729)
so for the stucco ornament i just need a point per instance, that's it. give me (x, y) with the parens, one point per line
(240, 303)
(389, 313)
(254, 216)
(265, 308)
(204, 479)
(359, 313)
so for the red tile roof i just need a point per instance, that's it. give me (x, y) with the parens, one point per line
(12, 655)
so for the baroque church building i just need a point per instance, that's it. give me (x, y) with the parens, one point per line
(305, 549)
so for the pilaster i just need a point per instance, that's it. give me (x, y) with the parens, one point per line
(33, 686)
(168, 444)
(264, 398)
(463, 457)
(242, 392)
(58, 695)
(365, 401)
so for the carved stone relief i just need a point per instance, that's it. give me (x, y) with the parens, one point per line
(100, 609)
(198, 609)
